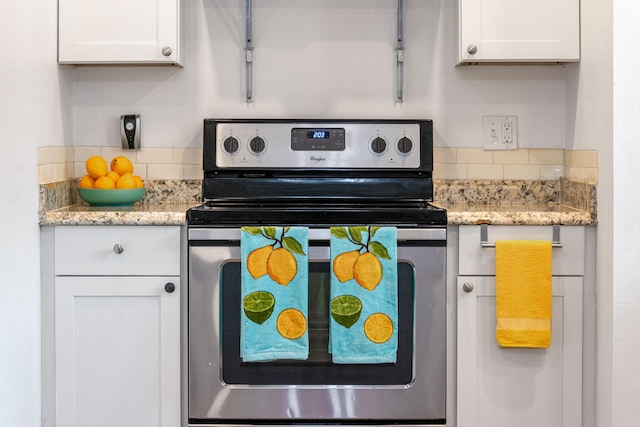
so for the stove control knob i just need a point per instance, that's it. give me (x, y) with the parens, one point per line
(378, 145)
(231, 145)
(405, 145)
(257, 145)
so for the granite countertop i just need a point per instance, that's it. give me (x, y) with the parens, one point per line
(516, 214)
(467, 202)
(140, 214)
(458, 214)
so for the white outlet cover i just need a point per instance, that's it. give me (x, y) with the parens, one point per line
(492, 133)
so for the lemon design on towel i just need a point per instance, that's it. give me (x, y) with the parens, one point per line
(279, 264)
(365, 267)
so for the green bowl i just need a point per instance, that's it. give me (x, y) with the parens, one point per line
(99, 197)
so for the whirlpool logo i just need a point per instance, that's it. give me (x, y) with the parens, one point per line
(317, 159)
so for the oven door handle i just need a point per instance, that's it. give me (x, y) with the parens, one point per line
(318, 234)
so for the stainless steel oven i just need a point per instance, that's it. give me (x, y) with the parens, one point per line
(317, 174)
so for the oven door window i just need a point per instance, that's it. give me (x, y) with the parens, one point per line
(318, 369)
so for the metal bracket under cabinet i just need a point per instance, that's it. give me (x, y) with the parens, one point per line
(400, 53)
(484, 237)
(248, 51)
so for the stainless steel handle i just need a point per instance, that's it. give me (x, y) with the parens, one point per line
(467, 286)
(472, 49)
(117, 248)
(484, 233)
(167, 51)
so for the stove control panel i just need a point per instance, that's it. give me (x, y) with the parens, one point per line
(318, 145)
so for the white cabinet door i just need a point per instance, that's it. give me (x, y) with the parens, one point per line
(506, 387)
(117, 352)
(518, 31)
(118, 31)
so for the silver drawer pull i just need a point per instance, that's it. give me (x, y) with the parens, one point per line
(117, 248)
(484, 239)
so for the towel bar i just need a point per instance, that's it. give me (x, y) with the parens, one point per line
(484, 232)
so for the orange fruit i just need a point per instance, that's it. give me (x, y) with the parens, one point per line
(139, 181)
(113, 175)
(378, 328)
(257, 261)
(282, 266)
(291, 323)
(343, 265)
(105, 183)
(126, 181)
(96, 167)
(367, 270)
(121, 165)
(86, 182)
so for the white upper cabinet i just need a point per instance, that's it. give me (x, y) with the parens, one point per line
(119, 32)
(518, 31)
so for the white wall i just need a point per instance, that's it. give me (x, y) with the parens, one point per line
(321, 58)
(625, 231)
(31, 95)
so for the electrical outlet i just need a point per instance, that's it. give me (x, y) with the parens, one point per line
(500, 132)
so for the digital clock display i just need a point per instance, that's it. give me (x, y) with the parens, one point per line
(317, 139)
(318, 134)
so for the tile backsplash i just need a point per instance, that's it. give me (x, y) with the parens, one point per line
(61, 163)
(521, 164)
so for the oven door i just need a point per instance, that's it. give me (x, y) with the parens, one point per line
(224, 389)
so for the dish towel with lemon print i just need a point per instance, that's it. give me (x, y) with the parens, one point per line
(274, 293)
(523, 293)
(364, 295)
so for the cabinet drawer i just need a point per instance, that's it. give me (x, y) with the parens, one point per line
(94, 250)
(475, 259)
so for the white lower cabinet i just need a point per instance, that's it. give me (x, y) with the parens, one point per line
(117, 327)
(506, 387)
(524, 387)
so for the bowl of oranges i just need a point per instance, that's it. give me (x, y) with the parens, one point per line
(110, 184)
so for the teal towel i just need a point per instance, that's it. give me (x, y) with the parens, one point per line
(364, 295)
(274, 293)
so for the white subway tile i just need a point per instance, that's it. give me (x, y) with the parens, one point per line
(81, 154)
(522, 172)
(485, 171)
(514, 157)
(474, 155)
(546, 156)
(193, 172)
(79, 169)
(155, 155)
(45, 174)
(449, 171)
(444, 155)
(551, 172)
(164, 171)
(187, 156)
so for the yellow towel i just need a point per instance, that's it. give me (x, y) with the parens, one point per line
(523, 293)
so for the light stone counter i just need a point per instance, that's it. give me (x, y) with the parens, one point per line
(467, 202)
(144, 214)
(516, 214)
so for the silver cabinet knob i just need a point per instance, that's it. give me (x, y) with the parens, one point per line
(467, 287)
(117, 248)
(472, 49)
(167, 51)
